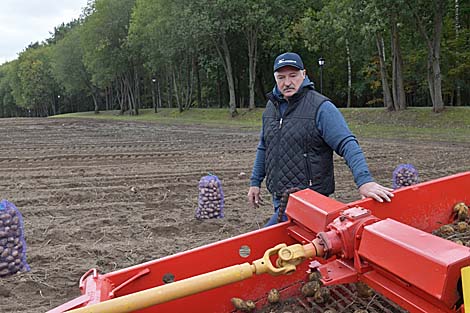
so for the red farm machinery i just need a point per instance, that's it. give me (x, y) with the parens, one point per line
(388, 246)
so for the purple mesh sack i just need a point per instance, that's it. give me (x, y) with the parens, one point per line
(12, 243)
(404, 175)
(211, 198)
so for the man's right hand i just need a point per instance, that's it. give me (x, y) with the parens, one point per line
(254, 196)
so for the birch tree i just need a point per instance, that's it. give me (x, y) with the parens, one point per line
(429, 20)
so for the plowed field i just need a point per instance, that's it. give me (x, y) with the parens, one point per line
(110, 194)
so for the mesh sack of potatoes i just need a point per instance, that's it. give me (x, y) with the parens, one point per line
(404, 175)
(211, 198)
(12, 243)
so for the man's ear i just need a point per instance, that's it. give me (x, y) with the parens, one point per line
(304, 72)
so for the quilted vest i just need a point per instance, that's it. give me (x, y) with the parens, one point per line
(296, 154)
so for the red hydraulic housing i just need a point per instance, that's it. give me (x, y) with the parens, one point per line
(388, 246)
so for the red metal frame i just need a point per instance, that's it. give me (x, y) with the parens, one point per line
(425, 207)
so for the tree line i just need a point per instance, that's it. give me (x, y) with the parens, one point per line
(131, 54)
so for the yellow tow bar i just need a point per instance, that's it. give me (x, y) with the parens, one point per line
(288, 258)
(465, 271)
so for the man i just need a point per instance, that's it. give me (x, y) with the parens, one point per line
(301, 129)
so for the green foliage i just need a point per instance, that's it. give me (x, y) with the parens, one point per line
(104, 40)
(68, 65)
(34, 87)
(114, 49)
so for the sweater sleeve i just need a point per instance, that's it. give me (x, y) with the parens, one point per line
(259, 172)
(336, 133)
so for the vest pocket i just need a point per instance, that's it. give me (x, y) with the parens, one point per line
(308, 172)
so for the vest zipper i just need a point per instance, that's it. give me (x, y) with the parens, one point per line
(310, 183)
(280, 123)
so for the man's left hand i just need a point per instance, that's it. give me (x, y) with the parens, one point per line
(376, 191)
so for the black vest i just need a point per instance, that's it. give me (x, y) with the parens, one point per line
(296, 154)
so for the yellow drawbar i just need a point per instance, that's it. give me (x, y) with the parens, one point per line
(466, 287)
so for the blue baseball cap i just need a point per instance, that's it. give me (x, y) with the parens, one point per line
(288, 59)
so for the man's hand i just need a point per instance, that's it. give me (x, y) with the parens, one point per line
(254, 196)
(376, 191)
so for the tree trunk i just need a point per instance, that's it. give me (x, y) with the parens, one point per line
(175, 87)
(108, 95)
(458, 96)
(136, 93)
(219, 88)
(398, 87)
(227, 63)
(154, 103)
(388, 102)
(95, 102)
(159, 95)
(252, 43)
(120, 96)
(55, 103)
(170, 91)
(189, 83)
(434, 50)
(198, 83)
(438, 105)
(348, 56)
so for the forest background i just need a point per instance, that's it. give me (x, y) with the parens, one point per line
(128, 55)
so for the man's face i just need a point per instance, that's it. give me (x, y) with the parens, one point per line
(288, 80)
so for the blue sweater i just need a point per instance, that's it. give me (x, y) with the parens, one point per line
(335, 132)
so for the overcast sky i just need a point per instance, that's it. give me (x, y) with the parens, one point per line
(25, 21)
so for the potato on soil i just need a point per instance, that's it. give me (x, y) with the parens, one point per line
(239, 304)
(361, 311)
(363, 290)
(445, 230)
(250, 305)
(330, 311)
(273, 296)
(310, 288)
(314, 276)
(461, 227)
(461, 211)
(244, 306)
(322, 295)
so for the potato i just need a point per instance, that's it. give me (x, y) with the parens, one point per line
(4, 272)
(461, 211)
(461, 227)
(363, 290)
(5, 253)
(274, 296)
(250, 305)
(322, 295)
(446, 230)
(314, 276)
(239, 304)
(310, 288)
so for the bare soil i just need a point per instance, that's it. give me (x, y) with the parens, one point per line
(110, 194)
